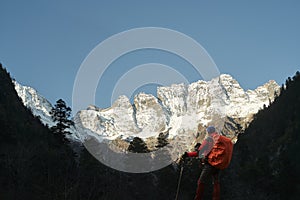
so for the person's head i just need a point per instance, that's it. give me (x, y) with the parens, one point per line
(211, 129)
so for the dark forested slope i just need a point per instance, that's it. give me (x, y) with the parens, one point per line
(37, 164)
(34, 164)
(266, 162)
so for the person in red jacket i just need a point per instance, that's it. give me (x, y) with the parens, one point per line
(207, 170)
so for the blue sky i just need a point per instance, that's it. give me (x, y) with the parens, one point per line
(43, 43)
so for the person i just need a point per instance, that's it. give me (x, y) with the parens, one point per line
(207, 170)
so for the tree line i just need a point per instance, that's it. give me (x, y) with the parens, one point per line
(39, 163)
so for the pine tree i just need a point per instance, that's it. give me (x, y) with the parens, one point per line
(137, 145)
(61, 114)
(161, 141)
(238, 129)
(267, 149)
(34, 164)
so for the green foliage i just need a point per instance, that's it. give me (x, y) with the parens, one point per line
(61, 114)
(37, 164)
(34, 163)
(265, 154)
(137, 145)
(161, 141)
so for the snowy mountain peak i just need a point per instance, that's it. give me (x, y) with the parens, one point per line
(269, 89)
(35, 102)
(227, 77)
(178, 109)
(40, 107)
(122, 101)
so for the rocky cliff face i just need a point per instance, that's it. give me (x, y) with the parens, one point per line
(39, 105)
(178, 110)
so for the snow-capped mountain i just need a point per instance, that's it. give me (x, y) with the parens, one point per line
(179, 110)
(40, 107)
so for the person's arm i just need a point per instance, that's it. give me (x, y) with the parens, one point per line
(200, 149)
(192, 154)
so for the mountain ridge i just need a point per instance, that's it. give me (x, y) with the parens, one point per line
(179, 102)
(180, 110)
(264, 165)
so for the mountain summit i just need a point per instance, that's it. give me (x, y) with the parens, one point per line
(179, 110)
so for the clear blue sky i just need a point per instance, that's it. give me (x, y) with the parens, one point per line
(43, 43)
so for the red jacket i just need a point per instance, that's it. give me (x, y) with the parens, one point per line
(204, 148)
